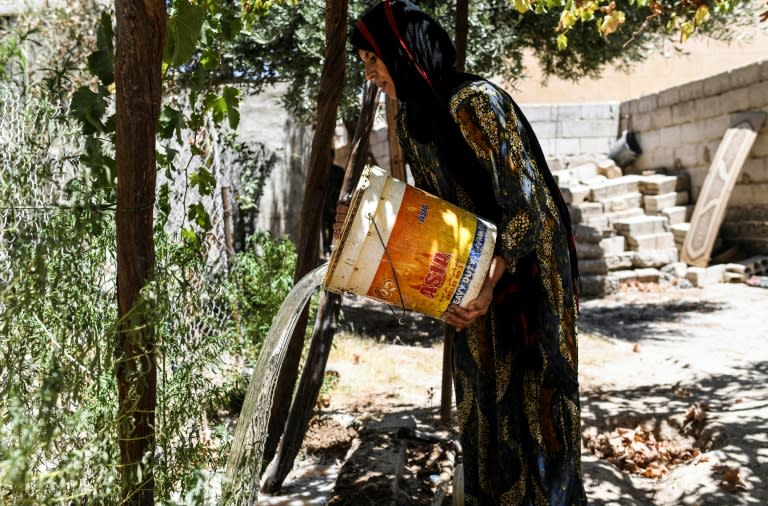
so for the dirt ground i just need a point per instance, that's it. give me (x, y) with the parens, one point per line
(674, 389)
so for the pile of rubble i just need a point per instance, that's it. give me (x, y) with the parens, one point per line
(631, 228)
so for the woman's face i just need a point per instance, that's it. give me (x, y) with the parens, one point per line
(376, 71)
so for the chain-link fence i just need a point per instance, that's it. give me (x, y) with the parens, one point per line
(209, 307)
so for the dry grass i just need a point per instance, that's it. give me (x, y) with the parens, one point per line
(395, 374)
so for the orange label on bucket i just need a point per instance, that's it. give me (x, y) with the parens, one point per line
(429, 247)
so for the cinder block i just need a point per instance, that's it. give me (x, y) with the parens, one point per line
(624, 275)
(654, 257)
(598, 286)
(605, 110)
(585, 171)
(580, 212)
(613, 245)
(657, 184)
(675, 214)
(566, 146)
(590, 267)
(588, 251)
(600, 222)
(750, 195)
(626, 201)
(641, 225)
(583, 233)
(600, 143)
(574, 194)
(609, 169)
(621, 261)
(663, 240)
(655, 203)
(615, 216)
(755, 266)
(703, 276)
(648, 275)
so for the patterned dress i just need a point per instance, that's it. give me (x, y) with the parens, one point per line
(515, 369)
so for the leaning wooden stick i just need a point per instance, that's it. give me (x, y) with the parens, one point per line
(325, 322)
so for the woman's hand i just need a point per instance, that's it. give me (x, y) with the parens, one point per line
(462, 317)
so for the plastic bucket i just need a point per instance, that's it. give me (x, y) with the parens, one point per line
(625, 150)
(407, 248)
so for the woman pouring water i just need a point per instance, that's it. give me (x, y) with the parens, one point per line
(515, 351)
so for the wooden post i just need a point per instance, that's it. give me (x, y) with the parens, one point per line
(396, 159)
(140, 30)
(308, 249)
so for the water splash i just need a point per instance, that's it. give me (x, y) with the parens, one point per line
(244, 464)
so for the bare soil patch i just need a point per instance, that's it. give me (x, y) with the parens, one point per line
(674, 402)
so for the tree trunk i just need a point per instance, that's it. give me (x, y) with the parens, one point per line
(320, 160)
(462, 27)
(138, 59)
(396, 159)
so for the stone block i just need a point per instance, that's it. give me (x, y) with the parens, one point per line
(598, 286)
(657, 184)
(654, 257)
(640, 225)
(613, 245)
(663, 240)
(655, 203)
(680, 230)
(580, 212)
(585, 171)
(574, 194)
(620, 261)
(612, 188)
(609, 169)
(600, 222)
(624, 275)
(703, 276)
(677, 269)
(626, 201)
(583, 233)
(615, 216)
(676, 214)
(648, 275)
(590, 267)
(588, 251)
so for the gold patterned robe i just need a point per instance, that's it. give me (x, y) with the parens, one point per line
(515, 370)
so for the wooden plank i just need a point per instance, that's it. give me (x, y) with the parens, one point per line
(718, 185)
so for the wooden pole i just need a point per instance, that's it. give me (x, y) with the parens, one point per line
(396, 159)
(325, 323)
(140, 30)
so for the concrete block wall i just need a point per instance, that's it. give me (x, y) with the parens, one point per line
(681, 128)
(573, 133)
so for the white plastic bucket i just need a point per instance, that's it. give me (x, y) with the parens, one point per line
(436, 253)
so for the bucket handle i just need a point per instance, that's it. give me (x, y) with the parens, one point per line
(401, 319)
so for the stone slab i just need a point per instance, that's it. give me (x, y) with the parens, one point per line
(718, 185)
(640, 225)
(663, 240)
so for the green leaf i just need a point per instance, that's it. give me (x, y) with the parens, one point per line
(199, 215)
(101, 61)
(562, 41)
(183, 32)
(88, 108)
(204, 181)
(232, 99)
(171, 122)
(223, 106)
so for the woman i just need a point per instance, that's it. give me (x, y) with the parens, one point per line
(515, 354)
